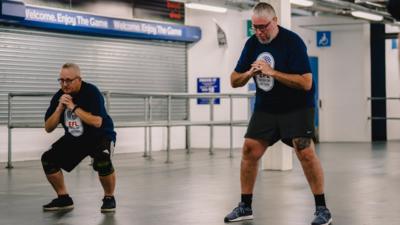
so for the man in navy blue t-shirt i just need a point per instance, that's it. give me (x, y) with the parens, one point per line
(277, 60)
(89, 131)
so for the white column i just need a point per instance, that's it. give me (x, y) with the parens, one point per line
(279, 156)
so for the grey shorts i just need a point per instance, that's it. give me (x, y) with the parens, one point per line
(271, 127)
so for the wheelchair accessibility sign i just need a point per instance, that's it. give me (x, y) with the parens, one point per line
(323, 39)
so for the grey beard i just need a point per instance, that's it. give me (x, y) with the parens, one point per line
(264, 42)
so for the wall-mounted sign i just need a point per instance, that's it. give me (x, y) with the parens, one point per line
(394, 44)
(208, 85)
(57, 19)
(249, 28)
(176, 9)
(323, 39)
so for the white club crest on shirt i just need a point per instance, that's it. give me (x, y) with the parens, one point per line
(265, 82)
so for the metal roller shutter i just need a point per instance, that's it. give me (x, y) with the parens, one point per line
(30, 61)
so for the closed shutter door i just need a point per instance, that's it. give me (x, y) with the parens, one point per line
(30, 60)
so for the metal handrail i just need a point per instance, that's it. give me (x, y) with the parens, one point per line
(383, 118)
(147, 123)
(382, 98)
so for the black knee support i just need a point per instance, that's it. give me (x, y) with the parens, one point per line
(49, 166)
(302, 143)
(102, 163)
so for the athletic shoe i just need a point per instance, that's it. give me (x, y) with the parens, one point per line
(108, 204)
(60, 203)
(242, 212)
(322, 216)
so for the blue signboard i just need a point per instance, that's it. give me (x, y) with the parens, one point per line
(394, 44)
(65, 20)
(323, 39)
(208, 85)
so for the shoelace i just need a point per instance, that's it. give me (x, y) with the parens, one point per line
(239, 210)
(320, 213)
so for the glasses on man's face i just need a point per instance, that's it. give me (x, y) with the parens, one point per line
(260, 27)
(66, 81)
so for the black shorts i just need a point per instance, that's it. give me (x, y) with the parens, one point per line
(284, 126)
(67, 152)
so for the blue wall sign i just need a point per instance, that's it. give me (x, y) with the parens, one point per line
(323, 39)
(65, 20)
(208, 85)
(394, 44)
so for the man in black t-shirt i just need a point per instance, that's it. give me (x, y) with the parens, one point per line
(89, 131)
(277, 60)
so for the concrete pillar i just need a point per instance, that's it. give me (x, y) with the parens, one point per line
(279, 156)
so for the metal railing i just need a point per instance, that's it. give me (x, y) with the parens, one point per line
(382, 99)
(148, 122)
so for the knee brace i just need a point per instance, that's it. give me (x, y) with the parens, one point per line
(49, 166)
(302, 143)
(102, 164)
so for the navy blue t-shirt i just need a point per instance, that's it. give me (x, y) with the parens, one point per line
(286, 53)
(90, 99)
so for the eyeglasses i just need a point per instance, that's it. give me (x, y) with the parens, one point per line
(66, 81)
(261, 27)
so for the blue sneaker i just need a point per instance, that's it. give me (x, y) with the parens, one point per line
(322, 216)
(242, 212)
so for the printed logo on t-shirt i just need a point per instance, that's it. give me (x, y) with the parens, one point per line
(73, 123)
(265, 82)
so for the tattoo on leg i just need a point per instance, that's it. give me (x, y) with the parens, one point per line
(302, 143)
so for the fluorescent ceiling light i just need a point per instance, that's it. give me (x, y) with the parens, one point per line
(206, 7)
(304, 3)
(366, 15)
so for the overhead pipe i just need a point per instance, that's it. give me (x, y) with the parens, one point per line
(342, 8)
(353, 6)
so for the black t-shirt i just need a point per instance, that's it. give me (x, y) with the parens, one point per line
(286, 53)
(90, 99)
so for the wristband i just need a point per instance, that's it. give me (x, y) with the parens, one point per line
(76, 106)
